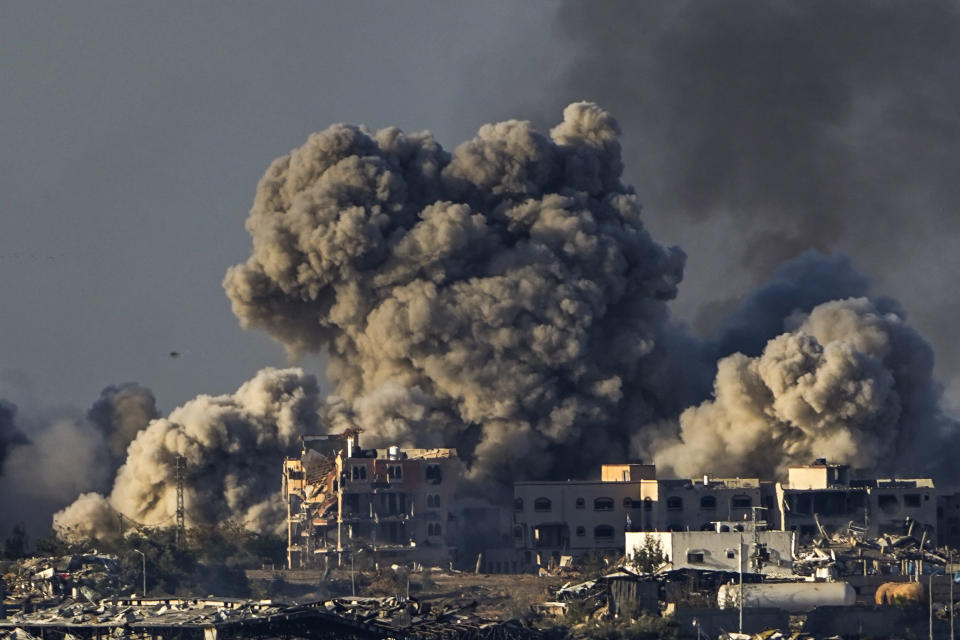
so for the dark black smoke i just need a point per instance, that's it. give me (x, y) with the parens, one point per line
(808, 123)
(10, 435)
(120, 413)
(54, 456)
(797, 286)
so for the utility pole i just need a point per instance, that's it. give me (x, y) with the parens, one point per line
(950, 577)
(740, 562)
(930, 600)
(181, 525)
(144, 558)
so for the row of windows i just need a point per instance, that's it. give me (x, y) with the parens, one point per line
(674, 503)
(601, 532)
(709, 503)
(433, 474)
(433, 501)
(434, 529)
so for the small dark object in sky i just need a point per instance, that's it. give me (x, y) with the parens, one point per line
(174, 354)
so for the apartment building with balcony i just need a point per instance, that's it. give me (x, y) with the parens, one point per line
(340, 496)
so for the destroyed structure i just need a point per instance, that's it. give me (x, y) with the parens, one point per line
(826, 493)
(214, 618)
(576, 517)
(395, 500)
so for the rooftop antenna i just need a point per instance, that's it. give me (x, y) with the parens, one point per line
(181, 527)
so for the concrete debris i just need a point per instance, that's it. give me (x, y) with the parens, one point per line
(418, 620)
(390, 617)
(849, 551)
(43, 582)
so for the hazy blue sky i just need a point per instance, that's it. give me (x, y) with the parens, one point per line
(133, 136)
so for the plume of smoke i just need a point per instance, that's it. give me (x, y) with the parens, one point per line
(850, 381)
(232, 446)
(810, 123)
(63, 458)
(797, 286)
(65, 454)
(120, 413)
(504, 297)
(10, 435)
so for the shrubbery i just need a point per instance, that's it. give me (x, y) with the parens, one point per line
(212, 559)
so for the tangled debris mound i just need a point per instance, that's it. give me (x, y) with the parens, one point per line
(167, 617)
(37, 583)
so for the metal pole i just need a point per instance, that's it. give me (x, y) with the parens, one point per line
(950, 577)
(740, 562)
(930, 600)
(143, 557)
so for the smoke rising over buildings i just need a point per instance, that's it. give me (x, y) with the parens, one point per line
(120, 413)
(755, 131)
(850, 381)
(47, 460)
(10, 435)
(507, 298)
(232, 446)
(504, 297)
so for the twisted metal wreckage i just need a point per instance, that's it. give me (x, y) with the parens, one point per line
(225, 619)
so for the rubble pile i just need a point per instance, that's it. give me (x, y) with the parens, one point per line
(850, 551)
(363, 617)
(43, 582)
(412, 619)
(120, 612)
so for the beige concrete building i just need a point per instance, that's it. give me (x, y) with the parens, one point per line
(576, 517)
(877, 506)
(395, 500)
(948, 520)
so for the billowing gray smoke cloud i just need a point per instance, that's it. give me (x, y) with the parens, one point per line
(232, 446)
(850, 381)
(687, 365)
(10, 435)
(755, 131)
(505, 297)
(797, 286)
(120, 413)
(814, 123)
(51, 459)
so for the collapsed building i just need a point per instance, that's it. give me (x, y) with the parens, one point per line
(822, 498)
(577, 517)
(340, 497)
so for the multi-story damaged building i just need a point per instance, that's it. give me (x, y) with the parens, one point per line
(395, 500)
(948, 520)
(576, 517)
(825, 495)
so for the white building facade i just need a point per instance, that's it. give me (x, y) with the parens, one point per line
(761, 551)
(551, 519)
